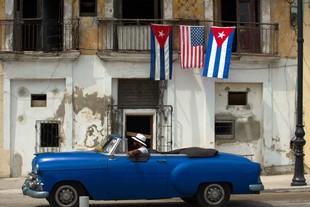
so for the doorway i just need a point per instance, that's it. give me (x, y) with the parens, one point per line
(140, 123)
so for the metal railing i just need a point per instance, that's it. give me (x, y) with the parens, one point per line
(134, 35)
(36, 35)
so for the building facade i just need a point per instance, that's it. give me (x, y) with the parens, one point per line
(75, 71)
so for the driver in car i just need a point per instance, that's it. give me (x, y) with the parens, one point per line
(140, 149)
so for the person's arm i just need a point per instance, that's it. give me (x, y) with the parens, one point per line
(134, 153)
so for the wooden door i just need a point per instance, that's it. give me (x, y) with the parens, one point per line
(248, 32)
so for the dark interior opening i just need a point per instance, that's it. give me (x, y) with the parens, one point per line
(237, 98)
(88, 7)
(30, 9)
(139, 124)
(38, 100)
(228, 10)
(141, 9)
(229, 14)
(49, 135)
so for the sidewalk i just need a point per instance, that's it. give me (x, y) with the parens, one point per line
(273, 184)
(282, 183)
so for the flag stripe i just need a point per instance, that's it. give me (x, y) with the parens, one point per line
(228, 54)
(208, 51)
(170, 56)
(222, 59)
(152, 70)
(217, 61)
(157, 62)
(212, 58)
(167, 63)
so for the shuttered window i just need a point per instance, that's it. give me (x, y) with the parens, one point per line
(138, 92)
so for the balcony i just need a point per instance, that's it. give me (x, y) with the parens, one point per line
(126, 35)
(36, 35)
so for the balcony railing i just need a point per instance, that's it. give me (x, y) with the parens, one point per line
(123, 35)
(36, 35)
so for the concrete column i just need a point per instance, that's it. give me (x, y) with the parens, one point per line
(209, 9)
(168, 11)
(209, 85)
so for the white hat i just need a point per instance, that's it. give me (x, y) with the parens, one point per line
(140, 138)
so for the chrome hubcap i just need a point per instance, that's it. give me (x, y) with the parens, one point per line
(66, 196)
(214, 194)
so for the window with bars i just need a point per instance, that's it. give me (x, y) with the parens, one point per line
(225, 129)
(49, 134)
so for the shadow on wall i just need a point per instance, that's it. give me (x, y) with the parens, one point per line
(16, 170)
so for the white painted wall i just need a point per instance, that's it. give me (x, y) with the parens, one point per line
(24, 117)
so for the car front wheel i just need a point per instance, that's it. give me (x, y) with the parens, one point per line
(66, 195)
(213, 195)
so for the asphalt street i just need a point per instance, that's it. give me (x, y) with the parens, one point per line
(14, 198)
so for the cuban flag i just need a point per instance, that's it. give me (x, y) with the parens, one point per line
(218, 52)
(161, 52)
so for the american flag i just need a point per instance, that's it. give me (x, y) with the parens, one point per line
(192, 41)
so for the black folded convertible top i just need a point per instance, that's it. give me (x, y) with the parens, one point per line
(192, 152)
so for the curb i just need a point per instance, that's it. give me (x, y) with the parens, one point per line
(287, 190)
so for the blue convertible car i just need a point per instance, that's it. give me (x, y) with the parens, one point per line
(203, 177)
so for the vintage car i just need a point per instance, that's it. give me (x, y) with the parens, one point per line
(203, 177)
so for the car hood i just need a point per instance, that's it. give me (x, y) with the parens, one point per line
(69, 160)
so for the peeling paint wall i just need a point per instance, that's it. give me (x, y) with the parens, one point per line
(247, 118)
(188, 9)
(89, 28)
(287, 34)
(307, 82)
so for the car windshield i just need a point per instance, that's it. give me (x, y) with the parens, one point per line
(106, 145)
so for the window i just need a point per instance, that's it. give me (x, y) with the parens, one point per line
(88, 8)
(49, 134)
(38, 100)
(225, 129)
(237, 98)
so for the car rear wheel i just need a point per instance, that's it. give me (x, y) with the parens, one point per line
(213, 195)
(66, 195)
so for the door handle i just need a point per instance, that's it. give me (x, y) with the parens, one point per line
(161, 161)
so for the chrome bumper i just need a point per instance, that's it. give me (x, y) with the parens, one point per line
(256, 187)
(30, 188)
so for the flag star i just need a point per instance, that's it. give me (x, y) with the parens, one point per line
(161, 33)
(221, 35)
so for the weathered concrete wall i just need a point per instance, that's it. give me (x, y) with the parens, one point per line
(307, 81)
(188, 9)
(287, 36)
(248, 119)
(2, 9)
(89, 28)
